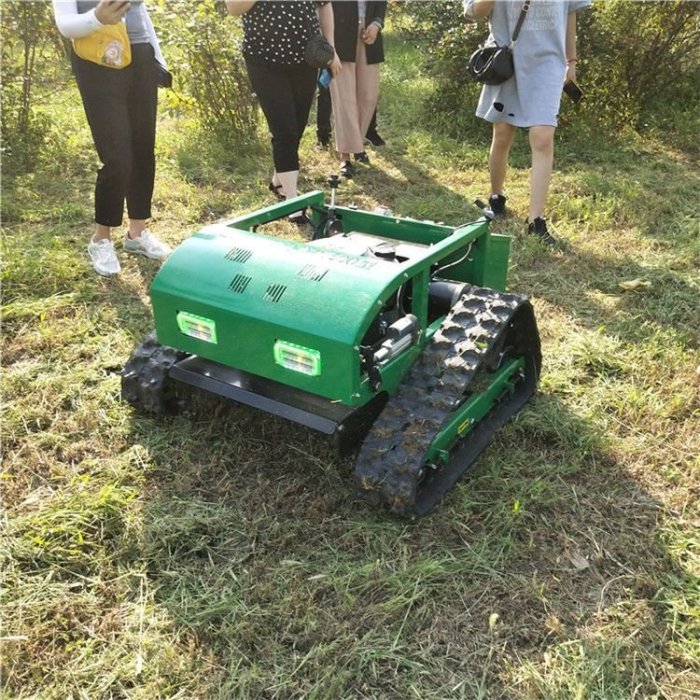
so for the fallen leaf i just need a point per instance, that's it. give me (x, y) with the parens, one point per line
(493, 619)
(631, 285)
(579, 561)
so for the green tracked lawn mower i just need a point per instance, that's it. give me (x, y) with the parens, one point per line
(392, 336)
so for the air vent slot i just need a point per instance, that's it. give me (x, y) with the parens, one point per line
(239, 283)
(240, 255)
(274, 293)
(313, 273)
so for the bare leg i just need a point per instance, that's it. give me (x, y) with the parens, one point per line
(501, 141)
(136, 227)
(101, 233)
(542, 148)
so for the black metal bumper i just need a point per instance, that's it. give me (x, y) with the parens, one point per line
(348, 425)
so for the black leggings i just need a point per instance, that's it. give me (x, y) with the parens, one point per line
(285, 94)
(120, 106)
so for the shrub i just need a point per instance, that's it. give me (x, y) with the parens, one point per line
(203, 49)
(28, 39)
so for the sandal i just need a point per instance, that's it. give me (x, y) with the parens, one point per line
(275, 189)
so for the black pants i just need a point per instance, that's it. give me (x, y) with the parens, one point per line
(121, 106)
(285, 94)
(324, 109)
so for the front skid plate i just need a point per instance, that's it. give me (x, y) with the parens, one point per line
(347, 424)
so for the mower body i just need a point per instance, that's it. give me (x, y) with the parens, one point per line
(298, 313)
(390, 334)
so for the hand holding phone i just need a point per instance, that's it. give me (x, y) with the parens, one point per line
(111, 11)
(573, 91)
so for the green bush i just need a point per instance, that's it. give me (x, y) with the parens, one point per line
(639, 63)
(202, 45)
(29, 40)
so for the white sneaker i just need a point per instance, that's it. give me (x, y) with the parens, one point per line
(147, 244)
(103, 256)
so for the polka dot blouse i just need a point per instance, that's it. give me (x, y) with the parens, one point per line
(277, 32)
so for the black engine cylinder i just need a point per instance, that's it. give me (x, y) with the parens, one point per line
(442, 296)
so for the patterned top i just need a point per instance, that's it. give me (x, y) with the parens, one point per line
(277, 32)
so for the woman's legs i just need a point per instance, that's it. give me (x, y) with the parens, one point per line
(143, 106)
(344, 101)
(501, 141)
(302, 80)
(120, 107)
(367, 78)
(542, 148)
(355, 92)
(285, 94)
(104, 94)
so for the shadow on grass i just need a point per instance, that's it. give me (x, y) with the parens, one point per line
(410, 186)
(259, 550)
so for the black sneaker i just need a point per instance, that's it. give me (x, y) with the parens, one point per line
(374, 139)
(538, 228)
(346, 169)
(362, 157)
(497, 204)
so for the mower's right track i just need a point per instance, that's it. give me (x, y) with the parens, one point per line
(481, 331)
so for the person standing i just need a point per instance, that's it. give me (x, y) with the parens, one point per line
(275, 35)
(545, 58)
(354, 93)
(120, 105)
(323, 122)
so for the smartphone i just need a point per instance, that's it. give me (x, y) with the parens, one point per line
(324, 78)
(573, 91)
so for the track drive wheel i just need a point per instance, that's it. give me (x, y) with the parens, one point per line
(145, 382)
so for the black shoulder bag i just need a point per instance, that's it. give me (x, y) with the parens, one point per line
(318, 52)
(493, 65)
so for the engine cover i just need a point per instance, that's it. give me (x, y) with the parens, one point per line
(287, 311)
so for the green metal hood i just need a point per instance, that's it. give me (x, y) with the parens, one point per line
(254, 291)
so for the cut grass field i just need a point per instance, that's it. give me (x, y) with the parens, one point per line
(223, 554)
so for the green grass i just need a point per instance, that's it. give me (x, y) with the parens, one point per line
(223, 554)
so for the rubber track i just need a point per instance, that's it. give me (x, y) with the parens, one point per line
(390, 465)
(145, 377)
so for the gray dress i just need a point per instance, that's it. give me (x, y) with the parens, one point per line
(532, 96)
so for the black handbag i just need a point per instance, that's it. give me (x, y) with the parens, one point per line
(493, 65)
(318, 52)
